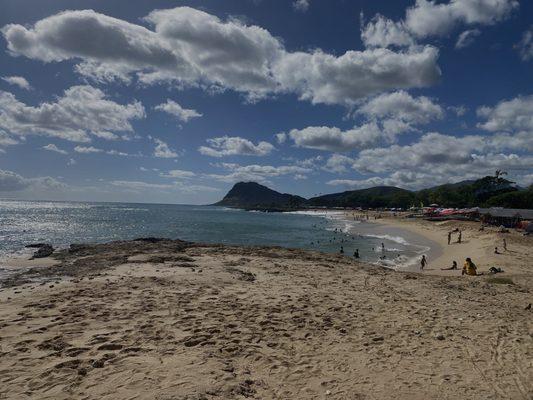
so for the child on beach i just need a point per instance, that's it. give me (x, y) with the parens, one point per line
(423, 262)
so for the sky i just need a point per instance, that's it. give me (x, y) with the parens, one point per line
(175, 101)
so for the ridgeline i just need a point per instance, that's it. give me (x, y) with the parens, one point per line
(489, 191)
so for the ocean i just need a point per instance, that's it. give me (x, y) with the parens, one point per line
(63, 223)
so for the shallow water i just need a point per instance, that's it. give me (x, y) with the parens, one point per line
(63, 223)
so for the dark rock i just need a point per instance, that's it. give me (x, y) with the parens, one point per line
(35, 245)
(44, 251)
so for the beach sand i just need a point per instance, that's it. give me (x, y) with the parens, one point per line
(173, 320)
(476, 244)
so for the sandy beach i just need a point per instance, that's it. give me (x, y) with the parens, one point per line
(176, 320)
(477, 244)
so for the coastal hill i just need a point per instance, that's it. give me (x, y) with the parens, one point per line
(489, 191)
(252, 195)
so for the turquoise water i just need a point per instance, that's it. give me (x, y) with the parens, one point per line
(63, 223)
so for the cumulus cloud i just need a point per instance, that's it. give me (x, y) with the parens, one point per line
(6, 140)
(182, 114)
(190, 47)
(83, 110)
(13, 182)
(19, 81)
(235, 146)
(508, 115)
(383, 32)
(431, 18)
(438, 158)
(466, 38)
(257, 173)
(281, 137)
(338, 163)
(301, 5)
(399, 111)
(53, 147)
(334, 139)
(525, 46)
(322, 78)
(162, 150)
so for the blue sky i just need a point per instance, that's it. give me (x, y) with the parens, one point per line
(174, 101)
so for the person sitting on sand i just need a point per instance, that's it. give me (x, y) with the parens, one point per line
(454, 266)
(469, 268)
(423, 262)
(496, 251)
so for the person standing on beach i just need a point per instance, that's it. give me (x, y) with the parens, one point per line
(382, 246)
(423, 262)
(449, 237)
(342, 250)
(356, 253)
(504, 244)
(460, 237)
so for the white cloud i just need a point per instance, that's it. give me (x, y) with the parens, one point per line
(466, 38)
(92, 150)
(179, 174)
(431, 18)
(19, 81)
(322, 78)
(256, 173)
(399, 111)
(338, 163)
(301, 5)
(189, 47)
(13, 182)
(334, 139)
(162, 150)
(87, 149)
(525, 46)
(231, 146)
(6, 140)
(82, 110)
(383, 32)
(508, 115)
(182, 114)
(438, 158)
(53, 147)
(281, 137)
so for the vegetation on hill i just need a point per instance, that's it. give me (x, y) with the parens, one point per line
(490, 191)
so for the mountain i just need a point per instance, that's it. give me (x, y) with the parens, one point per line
(481, 192)
(490, 191)
(251, 195)
(376, 197)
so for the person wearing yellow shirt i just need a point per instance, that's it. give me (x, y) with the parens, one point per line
(469, 268)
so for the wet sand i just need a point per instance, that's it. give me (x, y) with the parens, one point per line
(174, 320)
